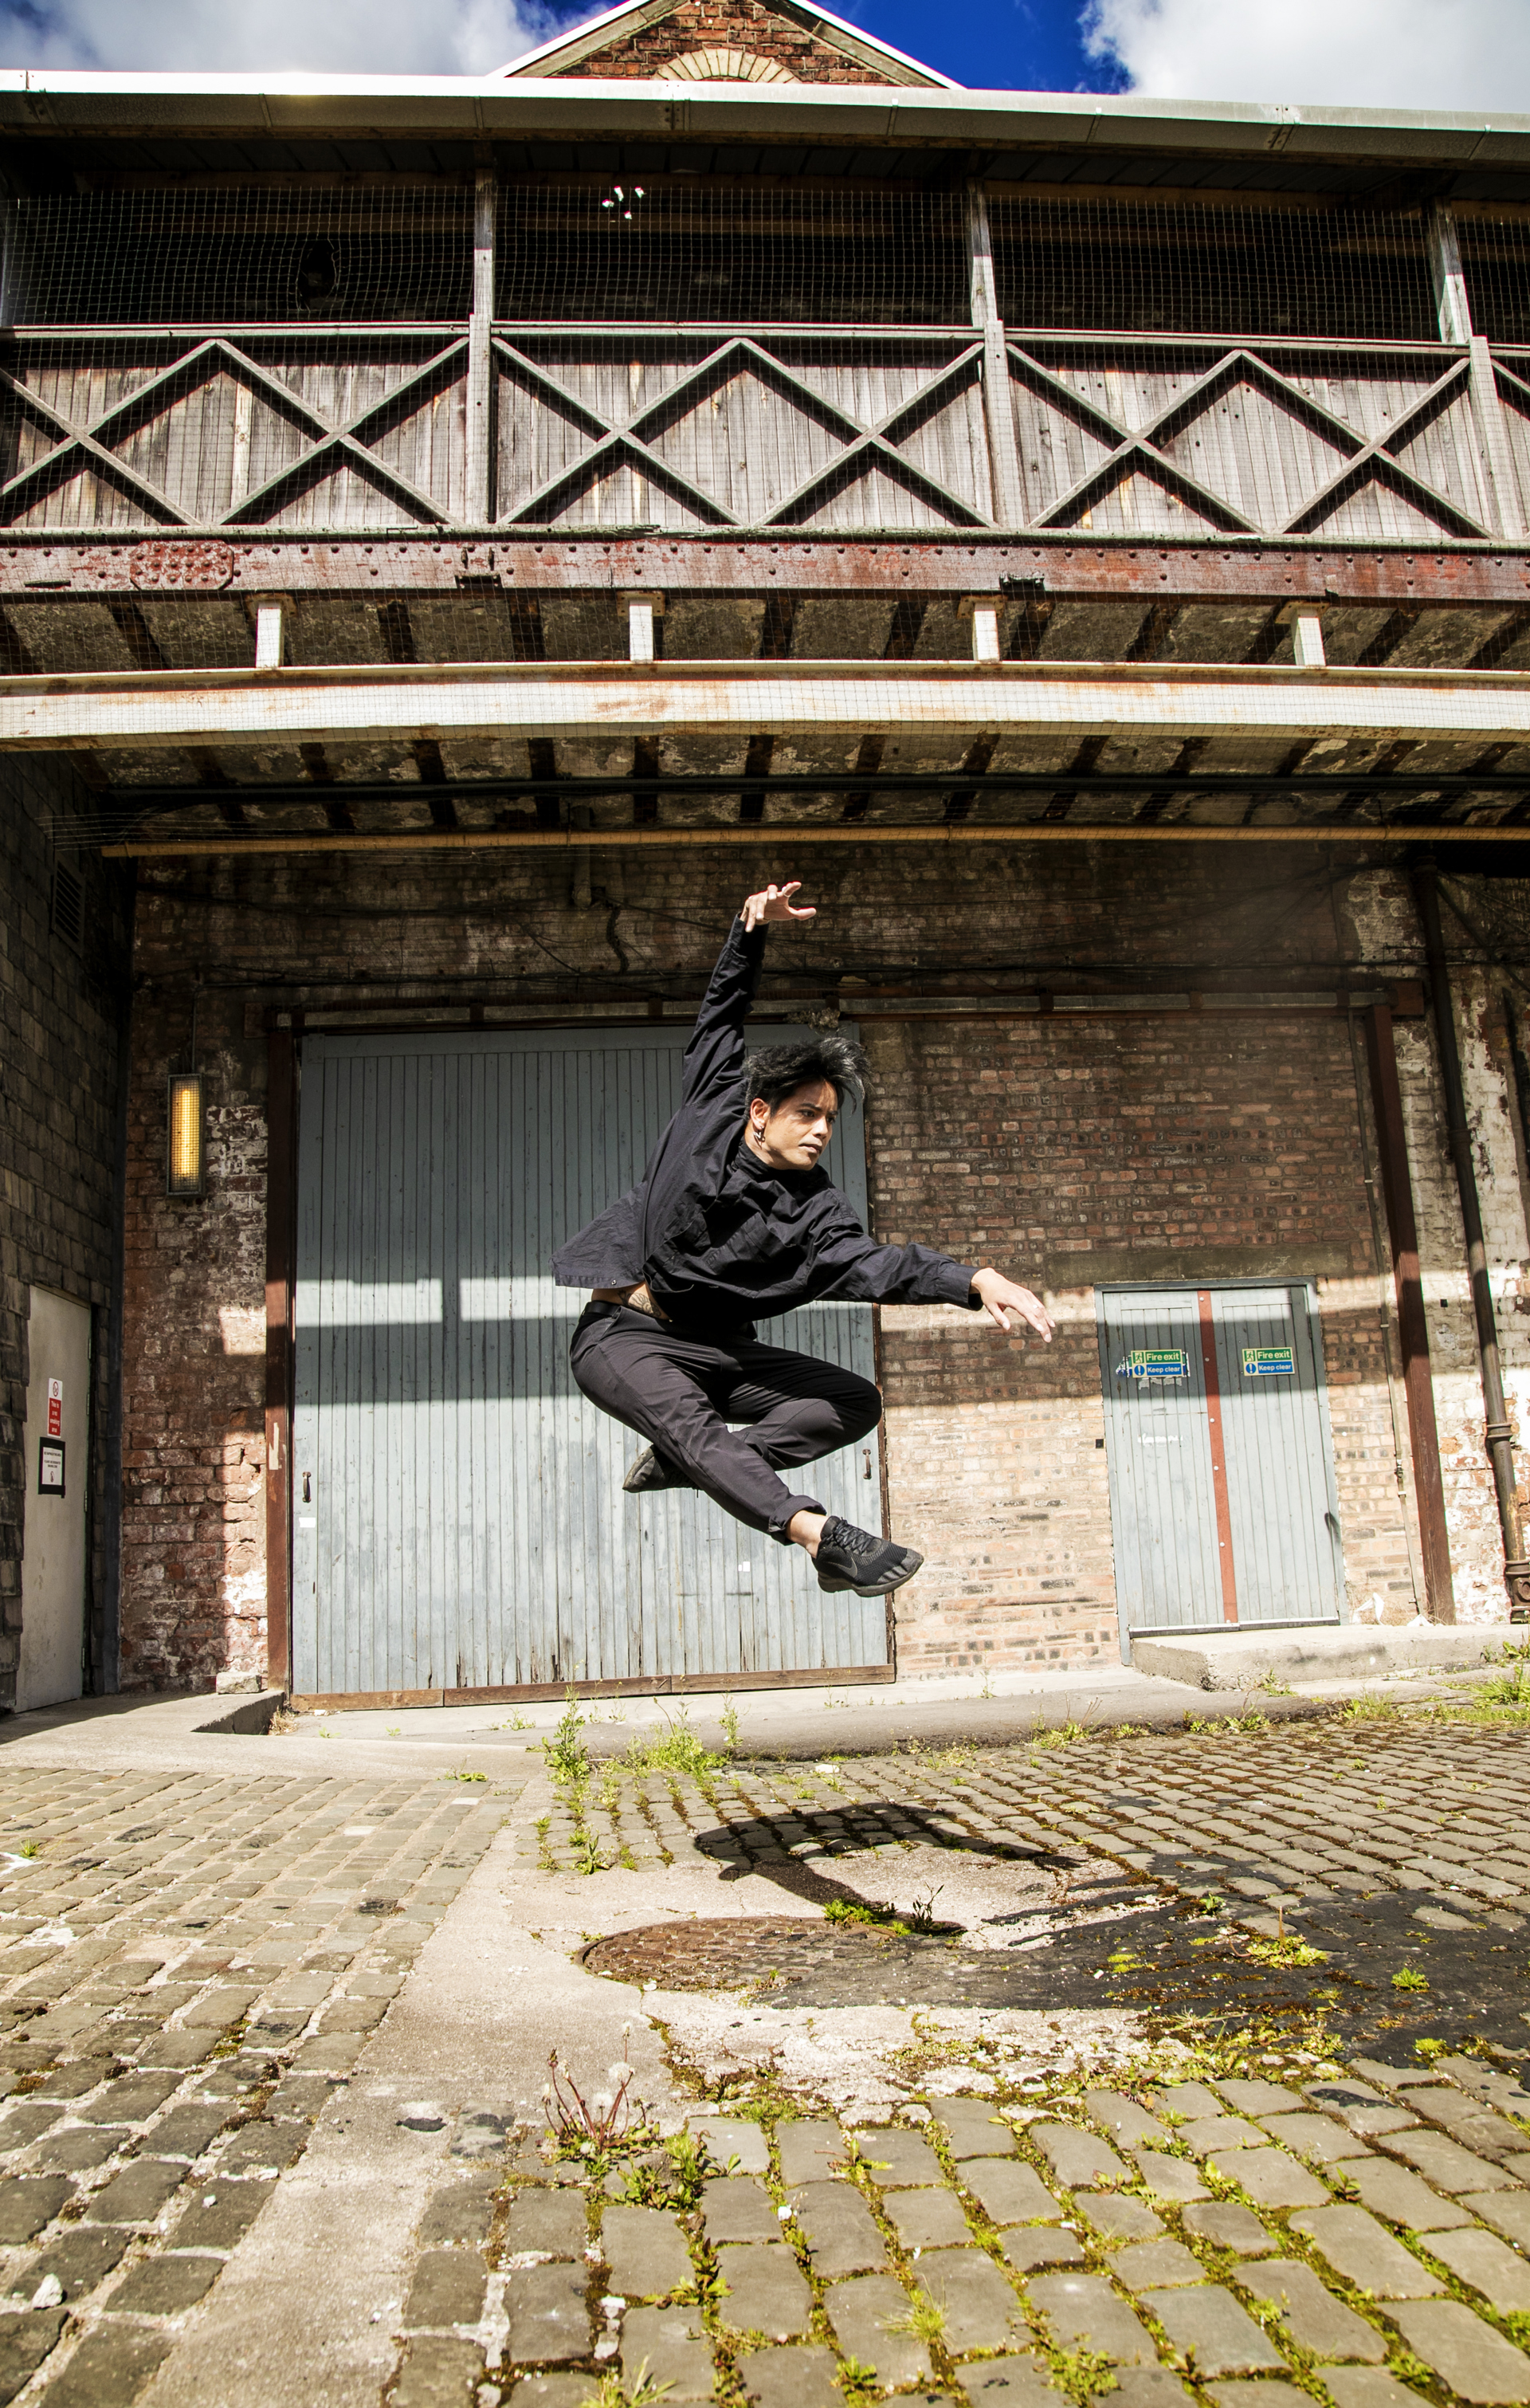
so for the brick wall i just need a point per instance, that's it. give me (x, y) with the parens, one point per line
(726, 24)
(194, 1535)
(1488, 1003)
(62, 1016)
(1045, 1141)
(1049, 1143)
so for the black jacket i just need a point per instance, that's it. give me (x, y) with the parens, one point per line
(718, 1235)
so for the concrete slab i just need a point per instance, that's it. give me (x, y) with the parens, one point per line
(1239, 1659)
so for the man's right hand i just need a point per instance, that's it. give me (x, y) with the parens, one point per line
(774, 903)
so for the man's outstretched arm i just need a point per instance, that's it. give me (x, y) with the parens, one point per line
(870, 1273)
(1000, 1297)
(714, 1058)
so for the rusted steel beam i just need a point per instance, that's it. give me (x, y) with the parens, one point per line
(1412, 1328)
(1056, 565)
(1352, 833)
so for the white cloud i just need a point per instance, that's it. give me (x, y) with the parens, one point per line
(336, 38)
(1427, 54)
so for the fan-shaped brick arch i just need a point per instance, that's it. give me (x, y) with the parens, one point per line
(725, 66)
(780, 49)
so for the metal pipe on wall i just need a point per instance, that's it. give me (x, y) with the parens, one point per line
(1498, 1435)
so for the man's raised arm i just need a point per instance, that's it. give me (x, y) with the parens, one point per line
(714, 1058)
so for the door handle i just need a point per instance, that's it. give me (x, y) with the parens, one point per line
(307, 1488)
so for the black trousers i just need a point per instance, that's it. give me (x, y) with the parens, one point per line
(680, 1394)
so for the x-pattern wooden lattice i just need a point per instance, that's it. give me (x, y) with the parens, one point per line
(328, 444)
(1366, 457)
(617, 444)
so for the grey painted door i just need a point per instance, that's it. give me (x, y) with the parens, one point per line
(1223, 1505)
(1280, 1494)
(459, 1515)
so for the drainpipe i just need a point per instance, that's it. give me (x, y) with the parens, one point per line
(1499, 1442)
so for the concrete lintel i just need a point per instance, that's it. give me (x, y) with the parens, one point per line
(1166, 1265)
(952, 699)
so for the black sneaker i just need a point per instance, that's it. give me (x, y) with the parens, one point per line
(851, 1558)
(651, 1471)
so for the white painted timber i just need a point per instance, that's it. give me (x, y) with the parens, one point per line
(917, 699)
(984, 615)
(642, 609)
(1306, 640)
(270, 640)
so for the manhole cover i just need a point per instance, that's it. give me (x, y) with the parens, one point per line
(734, 1955)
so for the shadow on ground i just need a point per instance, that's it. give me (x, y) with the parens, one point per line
(1083, 1932)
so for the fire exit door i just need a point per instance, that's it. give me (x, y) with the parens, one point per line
(1222, 1504)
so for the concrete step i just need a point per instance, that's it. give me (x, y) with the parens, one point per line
(1239, 1659)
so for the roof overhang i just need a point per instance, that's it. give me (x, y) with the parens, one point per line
(53, 102)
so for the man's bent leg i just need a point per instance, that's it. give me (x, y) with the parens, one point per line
(800, 1408)
(662, 1386)
(797, 1406)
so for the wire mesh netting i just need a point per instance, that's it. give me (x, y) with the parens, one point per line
(1192, 268)
(690, 355)
(1495, 256)
(235, 257)
(695, 254)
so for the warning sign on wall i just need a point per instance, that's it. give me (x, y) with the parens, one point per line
(55, 1409)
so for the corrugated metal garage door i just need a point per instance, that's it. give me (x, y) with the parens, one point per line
(460, 1518)
(1222, 1504)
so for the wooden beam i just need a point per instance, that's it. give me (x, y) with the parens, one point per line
(778, 836)
(479, 481)
(954, 700)
(1007, 487)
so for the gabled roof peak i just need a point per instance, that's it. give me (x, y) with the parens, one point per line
(724, 41)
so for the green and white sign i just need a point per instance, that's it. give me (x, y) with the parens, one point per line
(1154, 1362)
(1269, 1363)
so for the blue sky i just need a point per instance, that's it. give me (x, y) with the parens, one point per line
(1028, 44)
(1471, 56)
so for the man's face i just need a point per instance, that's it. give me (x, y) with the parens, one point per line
(793, 1134)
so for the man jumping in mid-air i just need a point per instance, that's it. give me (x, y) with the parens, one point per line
(733, 1219)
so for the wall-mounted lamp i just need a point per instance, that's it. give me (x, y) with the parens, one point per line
(186, 1151)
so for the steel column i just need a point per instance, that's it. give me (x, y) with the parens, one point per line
(1498, 1435)
(1413, 1329)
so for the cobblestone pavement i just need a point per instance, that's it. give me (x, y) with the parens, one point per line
(1249, 2167)
(1248, 2211)
(189, 1967)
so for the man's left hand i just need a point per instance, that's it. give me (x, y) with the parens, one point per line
(1001, 1297)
